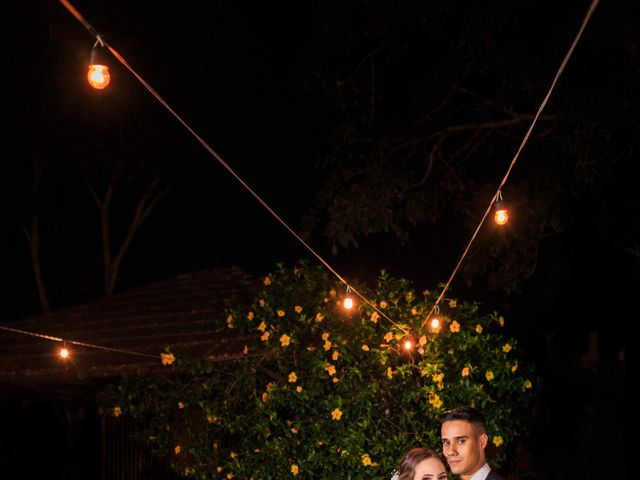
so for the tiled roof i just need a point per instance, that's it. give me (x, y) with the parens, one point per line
(185, 313)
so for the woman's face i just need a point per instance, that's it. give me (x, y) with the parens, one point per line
(430, 469)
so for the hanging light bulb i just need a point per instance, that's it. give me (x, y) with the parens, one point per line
(434, 323)
(64, 352)
(98, 72)
(501, 214)
(348, 301)
(408, 344)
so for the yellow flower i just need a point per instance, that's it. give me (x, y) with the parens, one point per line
(336, 414)
(506, 348)
(514, 367)
(293, 378)
(261, 302)
(245, 350)
(327, 345)
(266, 281)
(489, 375)
(331, 370)
(335, 355)
(408, 296)
(434, 399)
(233, 454)
(230, 476)
(389, 372)
(365, 348)
(527, 384)
(262, 327)
(265, 397)
(280, 313)
(332, 292)
(479, 328)
(299, 389)
(180, 405)
(335, 379)
(212, 419)
(374, 317)
(422, 341)
(437, 377)
(177, 449)
(117, 411)
(265, 336)
(250, 316)
(454, 327)
(366, 460)
(497, 441)
(453, 303)
(295, 469)
(230, 320)
(325, 336)
(319, 317)
(388, 337)
(167, 358)
(415, 311)
(219, 469)
(298, 309)
(501, 320)
(383, 304)
(285, 340)
(465, 372)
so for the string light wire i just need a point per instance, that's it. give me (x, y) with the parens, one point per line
(75, 342)
(101, 41)
(588, 15)
(217, 156)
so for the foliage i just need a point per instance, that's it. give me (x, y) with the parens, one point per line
(323, 394)
(429, 102)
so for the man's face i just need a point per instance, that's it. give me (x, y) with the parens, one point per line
(463, 447)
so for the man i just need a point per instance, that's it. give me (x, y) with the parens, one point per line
(464, 439)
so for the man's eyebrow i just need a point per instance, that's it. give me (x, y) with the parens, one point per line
(456, 438)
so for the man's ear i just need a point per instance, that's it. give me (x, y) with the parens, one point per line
(484, 439)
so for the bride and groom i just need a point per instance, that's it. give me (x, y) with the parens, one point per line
(464, 440)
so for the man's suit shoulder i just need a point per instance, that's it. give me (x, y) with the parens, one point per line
(494, 476)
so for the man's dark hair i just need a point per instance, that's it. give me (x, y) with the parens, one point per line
(466, 414)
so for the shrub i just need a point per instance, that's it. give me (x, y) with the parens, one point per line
(323, 394)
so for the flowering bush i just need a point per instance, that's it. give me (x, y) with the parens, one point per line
(324, 394)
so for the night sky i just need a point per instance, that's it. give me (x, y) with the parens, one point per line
(251, 78)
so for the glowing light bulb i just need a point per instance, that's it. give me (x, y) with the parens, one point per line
(98, 73)
(501, 216)
(348, 303)
(408, 344)
(435, 323)
(98, 76)
(64, 353)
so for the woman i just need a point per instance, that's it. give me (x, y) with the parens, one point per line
(421, 464)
